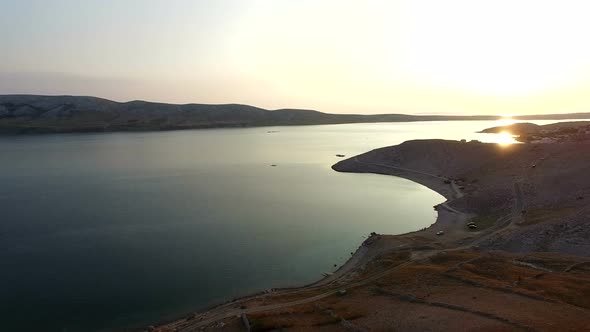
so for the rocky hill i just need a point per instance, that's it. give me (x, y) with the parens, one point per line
(47, 114)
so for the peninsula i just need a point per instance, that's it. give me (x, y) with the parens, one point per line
(510, 250)
(556, 132)
(23, 114)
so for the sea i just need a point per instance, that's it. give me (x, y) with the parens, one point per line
(114, 231)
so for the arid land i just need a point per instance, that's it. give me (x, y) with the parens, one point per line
(525, 266)
(37, 114)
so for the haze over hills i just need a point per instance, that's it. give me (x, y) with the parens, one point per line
(51, 114)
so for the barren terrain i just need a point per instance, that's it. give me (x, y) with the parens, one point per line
(525, 266)
(35, 114)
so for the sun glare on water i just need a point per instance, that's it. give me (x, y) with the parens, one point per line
(504, 138)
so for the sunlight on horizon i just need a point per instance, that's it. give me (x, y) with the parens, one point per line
(452, 57)
(505, 121)
(504, 48)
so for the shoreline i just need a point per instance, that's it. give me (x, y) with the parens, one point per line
(443, 219)
(369, 249)
(24, 114)
(489, 276)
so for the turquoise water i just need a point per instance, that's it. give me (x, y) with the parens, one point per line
(108, 231)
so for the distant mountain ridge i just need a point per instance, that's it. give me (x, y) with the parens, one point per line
(52, 114)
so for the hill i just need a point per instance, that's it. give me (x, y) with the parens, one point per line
(50, 114)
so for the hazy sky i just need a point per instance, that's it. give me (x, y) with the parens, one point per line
(478, 57)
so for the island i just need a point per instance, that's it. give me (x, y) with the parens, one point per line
(510, 250)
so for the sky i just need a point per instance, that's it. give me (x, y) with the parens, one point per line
(416, 57)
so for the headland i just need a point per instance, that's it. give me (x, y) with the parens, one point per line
(510, 250)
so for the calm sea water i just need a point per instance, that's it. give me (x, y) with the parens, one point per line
(107, 231)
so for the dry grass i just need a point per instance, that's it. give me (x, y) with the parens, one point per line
(540, 215)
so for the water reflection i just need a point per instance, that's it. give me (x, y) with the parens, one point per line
(504, 138)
